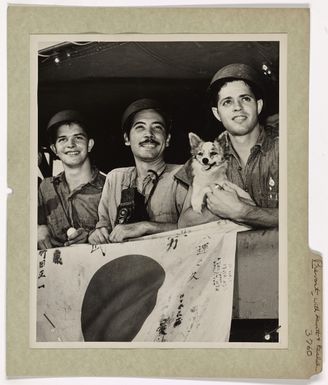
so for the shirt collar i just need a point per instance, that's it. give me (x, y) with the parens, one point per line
(60, 178)
(261, 142)
(132, 178)
(184, 174)
(158, 171)
(94, 181)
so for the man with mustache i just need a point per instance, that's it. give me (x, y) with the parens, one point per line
(252, 153)
(145, 199)
(68, 202)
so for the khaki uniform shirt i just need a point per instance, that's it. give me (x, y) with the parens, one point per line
(59, 208)
(164, 205)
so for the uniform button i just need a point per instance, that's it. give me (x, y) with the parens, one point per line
(246, 189)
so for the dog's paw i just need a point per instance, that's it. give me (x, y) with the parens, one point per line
(197, 200)
(197, 206)
(206, 190)
(197, 209)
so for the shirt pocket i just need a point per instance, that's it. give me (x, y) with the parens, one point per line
(85, 210)
(270, 192)
(58, 225)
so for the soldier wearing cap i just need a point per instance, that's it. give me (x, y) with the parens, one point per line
(252, 153)
(68, 202)
(144, 199)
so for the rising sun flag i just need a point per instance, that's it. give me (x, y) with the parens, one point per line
(174, 287)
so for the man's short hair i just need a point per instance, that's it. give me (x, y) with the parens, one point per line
(65, 117)
(235, 72)
(140, 105)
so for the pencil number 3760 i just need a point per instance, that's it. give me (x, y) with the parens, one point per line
(309, 342)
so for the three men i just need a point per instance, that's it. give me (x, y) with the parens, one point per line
(68, 202)
(149, 197)
(252, 153)
(144, 199)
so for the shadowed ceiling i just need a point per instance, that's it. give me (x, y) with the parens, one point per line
(102, 78)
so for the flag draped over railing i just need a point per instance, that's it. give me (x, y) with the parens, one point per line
(174, 287)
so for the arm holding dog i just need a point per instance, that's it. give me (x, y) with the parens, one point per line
(189, 217)
(227, 204)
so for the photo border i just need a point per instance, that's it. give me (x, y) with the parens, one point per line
(23, 21)
(35, 40)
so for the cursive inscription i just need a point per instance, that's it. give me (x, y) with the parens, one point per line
(313, 335)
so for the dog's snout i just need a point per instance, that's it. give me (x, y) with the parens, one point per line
(205, 160)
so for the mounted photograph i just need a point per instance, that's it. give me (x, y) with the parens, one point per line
(159, 191)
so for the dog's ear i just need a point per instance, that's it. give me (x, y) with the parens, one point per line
(194, 140)
(218, 145)
(219, 142)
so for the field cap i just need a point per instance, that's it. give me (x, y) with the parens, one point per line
(65, 116)
(139, 105)
(236, 71)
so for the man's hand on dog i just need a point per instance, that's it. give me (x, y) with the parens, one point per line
(225, 202)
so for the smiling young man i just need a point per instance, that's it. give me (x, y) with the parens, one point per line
(145, 199)
(68, 202)
(252, 153)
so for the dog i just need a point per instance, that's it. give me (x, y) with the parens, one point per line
(209, 166)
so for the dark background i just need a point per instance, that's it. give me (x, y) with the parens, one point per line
(101, 78)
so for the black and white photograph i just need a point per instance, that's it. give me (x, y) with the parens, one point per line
(159, 164)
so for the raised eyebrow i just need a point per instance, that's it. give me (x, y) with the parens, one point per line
(142, 122)
(226, 98)
(138, 122)
(160, 123)
(66, 136)
(249, 95)
(241, 96)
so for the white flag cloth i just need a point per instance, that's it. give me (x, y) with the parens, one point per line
(174, 287)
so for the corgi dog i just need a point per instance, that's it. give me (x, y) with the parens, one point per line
(209, 167)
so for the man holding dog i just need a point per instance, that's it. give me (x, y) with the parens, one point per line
(68, 202)
(252, 153)
(145, 199)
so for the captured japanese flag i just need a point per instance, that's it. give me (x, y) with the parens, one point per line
(175, 287)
